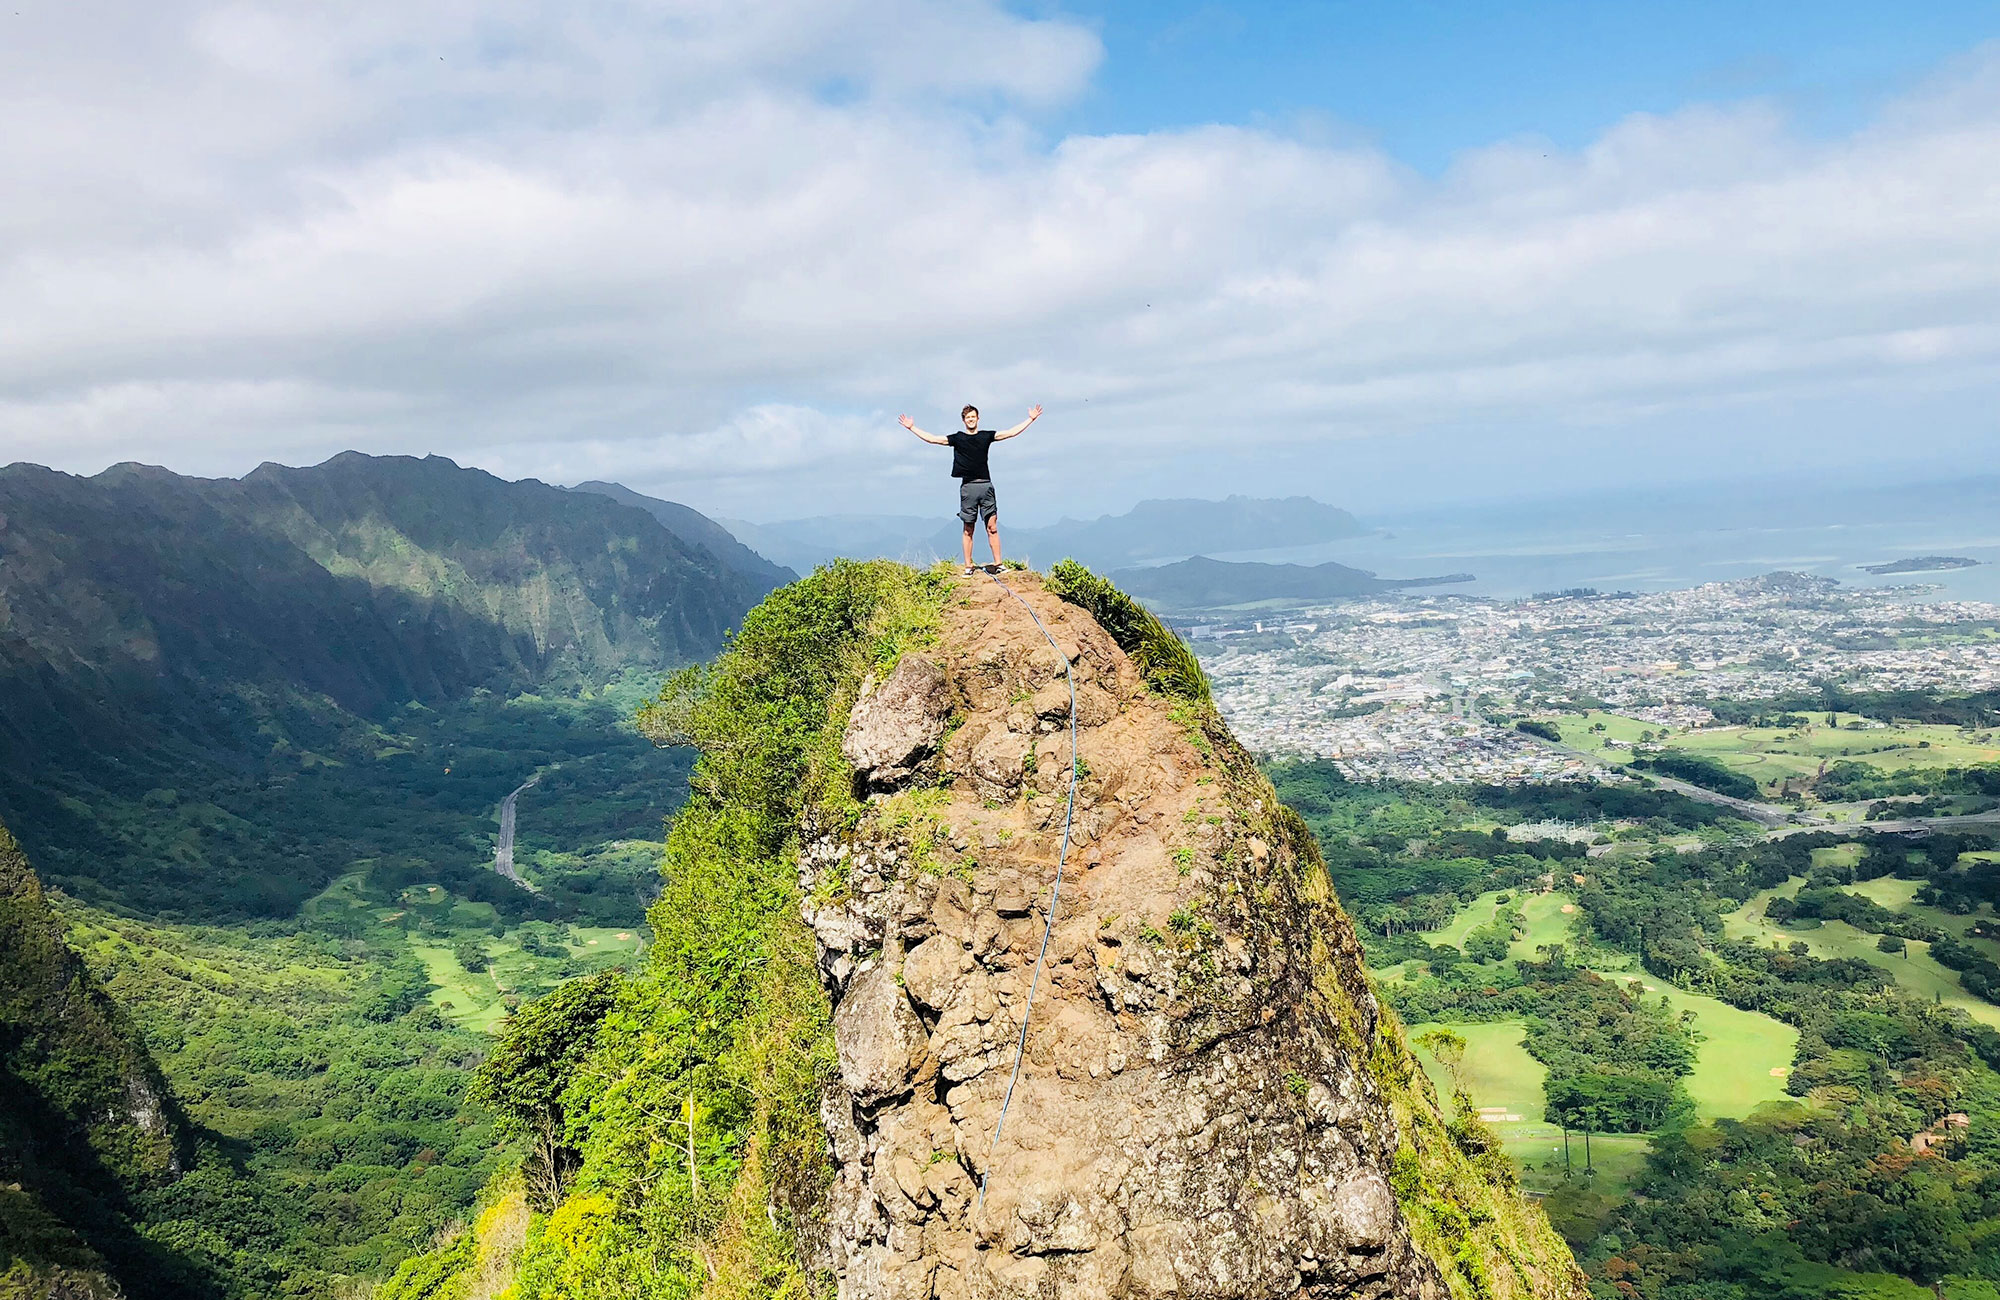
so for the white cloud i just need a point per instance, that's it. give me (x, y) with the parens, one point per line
(714, 248)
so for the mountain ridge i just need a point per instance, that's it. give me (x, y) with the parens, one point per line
(1200, 582)
(687, 522)
(160, 632)
(821, 1046)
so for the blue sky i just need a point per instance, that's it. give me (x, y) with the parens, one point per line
(1388, 254)
(1424, 80)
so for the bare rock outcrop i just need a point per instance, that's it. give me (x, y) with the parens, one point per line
(1209, 1102)
(896, 725)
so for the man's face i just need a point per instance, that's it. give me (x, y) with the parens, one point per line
(972, 421)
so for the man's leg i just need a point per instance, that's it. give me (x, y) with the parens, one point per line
(992, 537)
(968, 543)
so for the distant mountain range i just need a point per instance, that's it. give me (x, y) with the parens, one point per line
(1151, 530)
(1202, 583)
(159, 631)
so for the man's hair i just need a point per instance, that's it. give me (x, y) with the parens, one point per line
(969, 410)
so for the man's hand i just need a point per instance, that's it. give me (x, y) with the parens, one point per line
(1034, 414)
(931, 438)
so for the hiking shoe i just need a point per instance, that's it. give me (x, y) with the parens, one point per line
(971, 569)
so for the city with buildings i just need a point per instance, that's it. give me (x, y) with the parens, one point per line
(1408, 687)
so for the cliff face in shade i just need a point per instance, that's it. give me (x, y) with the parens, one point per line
(691, 525)
(85, 1116)
(1211, 1101)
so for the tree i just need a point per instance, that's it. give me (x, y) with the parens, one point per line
(540, 1050)
(1449, 1049)
(1487, 943)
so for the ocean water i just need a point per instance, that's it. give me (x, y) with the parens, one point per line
(1654, 546)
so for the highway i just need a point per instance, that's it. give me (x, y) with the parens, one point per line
(503, 856)
(1781, 822)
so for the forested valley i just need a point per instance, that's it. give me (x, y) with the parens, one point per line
(264, 936)
(255, 737)
(1733, 1064)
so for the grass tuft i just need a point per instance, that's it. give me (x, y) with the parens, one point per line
(1166, 662)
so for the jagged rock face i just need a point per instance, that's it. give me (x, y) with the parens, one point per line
(1192, 1115)
(895, 726)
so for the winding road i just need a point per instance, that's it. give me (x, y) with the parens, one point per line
(1780, 822)
(503, 856)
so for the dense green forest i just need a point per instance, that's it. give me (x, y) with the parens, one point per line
(411, 797)
(254, 734)
(323, 1058)
(1875, 1173)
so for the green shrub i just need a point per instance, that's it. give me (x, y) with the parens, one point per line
(1166, 661)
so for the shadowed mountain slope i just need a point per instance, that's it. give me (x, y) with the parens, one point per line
(693, 526)
(86, 1122)
(159, 632)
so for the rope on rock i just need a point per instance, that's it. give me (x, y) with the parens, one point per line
(1049, 925)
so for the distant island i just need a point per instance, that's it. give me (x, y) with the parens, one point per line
(1202, 583)
(1922, 564)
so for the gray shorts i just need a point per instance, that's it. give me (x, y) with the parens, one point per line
(974, 500)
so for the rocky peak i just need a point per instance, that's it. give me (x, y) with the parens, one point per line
(1210, 1101)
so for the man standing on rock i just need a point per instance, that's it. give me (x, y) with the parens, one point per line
(968, 466)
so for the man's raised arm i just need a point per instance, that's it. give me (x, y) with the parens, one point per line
(911, 425)
(1034, 414)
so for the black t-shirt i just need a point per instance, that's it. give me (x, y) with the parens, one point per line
(968, 455)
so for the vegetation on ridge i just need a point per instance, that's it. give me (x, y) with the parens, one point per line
(1167, 662)
(695, 1160)
(89, 1135)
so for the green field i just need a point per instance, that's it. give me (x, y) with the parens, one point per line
(1476, 913)
(1743, 1057)
(1577, 733)
(479, 999)
(1740, 1064)
(432, 924)
(1545, 921)
(1771, 755)
(1734, 1064)
(1913, 969)
(1548, 918)
(1499, 1073)
(1839, 855)
(1900, 895)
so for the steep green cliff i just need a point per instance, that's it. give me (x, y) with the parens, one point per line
(86, 1123)
(1210, 1100)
